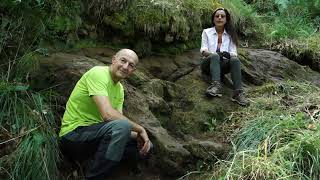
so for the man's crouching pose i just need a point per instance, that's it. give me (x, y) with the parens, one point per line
(93, 126)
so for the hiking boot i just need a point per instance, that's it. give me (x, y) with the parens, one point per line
(238, 97)
(214, 89)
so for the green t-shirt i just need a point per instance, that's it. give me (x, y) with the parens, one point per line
(81, 110)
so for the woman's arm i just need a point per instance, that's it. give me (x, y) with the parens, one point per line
(204, 50)
(232, 49)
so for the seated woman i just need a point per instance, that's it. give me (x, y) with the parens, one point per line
(219, 51)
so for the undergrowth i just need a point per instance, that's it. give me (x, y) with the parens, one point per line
(28, 140)
(280, 136)
(30, 149)
(290, 27)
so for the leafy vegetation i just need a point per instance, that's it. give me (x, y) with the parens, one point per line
(291, 27)
(29, 148)
(245, 19)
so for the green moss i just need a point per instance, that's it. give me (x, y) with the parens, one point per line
(143, 47)
(192, 109)
(120, 22)
(304, 51)
(183, 20)
(175, 48)
(62, 24)
(243, 56)
(86, 43)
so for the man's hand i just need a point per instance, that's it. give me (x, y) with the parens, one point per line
(144, 143)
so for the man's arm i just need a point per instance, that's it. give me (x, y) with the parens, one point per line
(108, 113)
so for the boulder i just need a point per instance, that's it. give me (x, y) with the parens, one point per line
(166, 96)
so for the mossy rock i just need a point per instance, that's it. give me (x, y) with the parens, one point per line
(304, 51)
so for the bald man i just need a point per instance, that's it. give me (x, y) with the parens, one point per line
(93, 127)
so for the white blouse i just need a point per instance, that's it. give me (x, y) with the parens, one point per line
(209, 42)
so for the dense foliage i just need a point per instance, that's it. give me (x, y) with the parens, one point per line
(292, 28)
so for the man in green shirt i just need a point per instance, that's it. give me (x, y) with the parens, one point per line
(93, 126)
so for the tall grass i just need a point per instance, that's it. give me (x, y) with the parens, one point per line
(28, 119)
(28, 143)
(280, 139)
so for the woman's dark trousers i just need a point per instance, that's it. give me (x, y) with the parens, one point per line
(216, 67)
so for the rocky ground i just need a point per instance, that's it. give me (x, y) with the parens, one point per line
(166, 95)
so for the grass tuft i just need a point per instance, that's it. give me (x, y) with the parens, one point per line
(30, 128)
(279, 136)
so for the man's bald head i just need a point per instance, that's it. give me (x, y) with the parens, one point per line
(128, 52)
(123, 64)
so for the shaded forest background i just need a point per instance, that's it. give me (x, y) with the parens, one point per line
(34, 28)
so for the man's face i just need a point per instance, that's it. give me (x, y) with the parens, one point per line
(124, 65)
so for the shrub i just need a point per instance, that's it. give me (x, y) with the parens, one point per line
(245, 19)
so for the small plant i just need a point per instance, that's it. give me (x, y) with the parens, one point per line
(211, 124)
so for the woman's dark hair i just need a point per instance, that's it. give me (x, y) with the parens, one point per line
(229, 27)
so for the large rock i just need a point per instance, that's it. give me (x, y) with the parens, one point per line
(166, 95)
(260, 66)
(304, 51)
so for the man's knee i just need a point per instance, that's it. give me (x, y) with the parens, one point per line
(122, 127)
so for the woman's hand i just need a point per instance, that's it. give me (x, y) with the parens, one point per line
(206, 53)
(233, 55)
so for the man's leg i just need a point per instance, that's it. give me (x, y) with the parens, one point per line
(131, 155)
(110, 138)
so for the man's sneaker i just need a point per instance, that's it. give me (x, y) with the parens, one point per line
(214, 89)
(238, 97)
